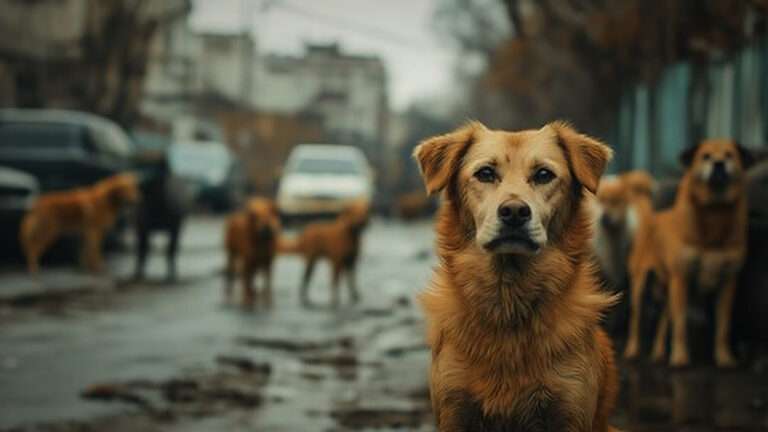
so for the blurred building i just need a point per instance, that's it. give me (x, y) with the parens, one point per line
(323, 95)
(349, 92)
(81, 54)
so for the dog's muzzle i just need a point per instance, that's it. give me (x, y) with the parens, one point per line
(514, 234)
(719, 178)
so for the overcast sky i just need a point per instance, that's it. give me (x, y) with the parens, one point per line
(399, 31)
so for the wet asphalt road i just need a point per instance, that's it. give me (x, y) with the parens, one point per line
(160, 357)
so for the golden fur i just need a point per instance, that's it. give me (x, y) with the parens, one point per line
(88, 211)
(700, 240)
(251, 239)
(339, 242)
(624, 206)
(513, 321)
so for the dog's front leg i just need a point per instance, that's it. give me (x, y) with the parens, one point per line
(678, 306)
(248, 273)
(723, 355)
(92, 249)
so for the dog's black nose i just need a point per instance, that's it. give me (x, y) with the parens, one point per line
(514, 214)
(719, 174)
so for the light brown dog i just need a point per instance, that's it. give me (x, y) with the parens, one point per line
(251, 240)
(514, 306)
(700, 241)
(413, 205)
(89, 212)
(624, 206)
(339, 242)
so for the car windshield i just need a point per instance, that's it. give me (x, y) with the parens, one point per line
(203, 162)
(42, 137)
(326, 166)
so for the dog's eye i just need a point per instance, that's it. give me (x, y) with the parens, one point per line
(486, 175)
(706, 156)
(543, 176)
(728, 155)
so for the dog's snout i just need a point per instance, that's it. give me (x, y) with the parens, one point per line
(514, 214)
(719, 166)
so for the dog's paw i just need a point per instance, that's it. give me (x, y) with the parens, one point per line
(631, 351)
(679, 359)
(725, 359)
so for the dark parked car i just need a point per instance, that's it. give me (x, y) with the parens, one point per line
(215, 175)
(62, 149)
(18, 190)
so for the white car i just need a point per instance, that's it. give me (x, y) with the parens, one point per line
(321, 179)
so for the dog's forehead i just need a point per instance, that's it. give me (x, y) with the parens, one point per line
(521, 145)
(717, 146)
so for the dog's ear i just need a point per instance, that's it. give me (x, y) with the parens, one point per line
(588, 157)
(438, 157)
(746, 156)
(687, 155)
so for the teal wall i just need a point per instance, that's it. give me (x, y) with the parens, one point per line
(655, 122)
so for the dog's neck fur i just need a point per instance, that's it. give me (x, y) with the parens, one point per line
(713, 225)
(510, 298)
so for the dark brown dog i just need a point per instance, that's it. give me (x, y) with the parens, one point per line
(251, 239)
(513, 308)
(89, 212)
(339, 241)
(700, 241)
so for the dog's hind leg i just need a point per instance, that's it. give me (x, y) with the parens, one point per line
(267, 288)
(635, 312)
(354, 294)
(35, 238)
(338, 268)
(308, 270)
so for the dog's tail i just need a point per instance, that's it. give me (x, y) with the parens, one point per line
(289, 245)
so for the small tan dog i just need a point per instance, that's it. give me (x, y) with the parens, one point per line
(700, 242)
(624, 206)
(513, 309)
(89, 212)
(251, 239)
(339, 241)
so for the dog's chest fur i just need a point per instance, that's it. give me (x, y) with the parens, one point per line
(541, 412)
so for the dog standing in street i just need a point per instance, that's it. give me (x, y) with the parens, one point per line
(89, 212)
(338, 241)
(513, 309)
(250, 239)
(696, 247)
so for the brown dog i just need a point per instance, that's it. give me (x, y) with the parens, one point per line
(251, 238)
(700, 241)
(513, 308)
(89, 211)
(339, 241)
(624, 206)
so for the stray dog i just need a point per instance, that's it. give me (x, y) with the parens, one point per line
(624, 205)
(513, 309)
(413, 205)
(251, 240)
(89, 211)
(162, 209)
(339, 241)
(700, 242)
